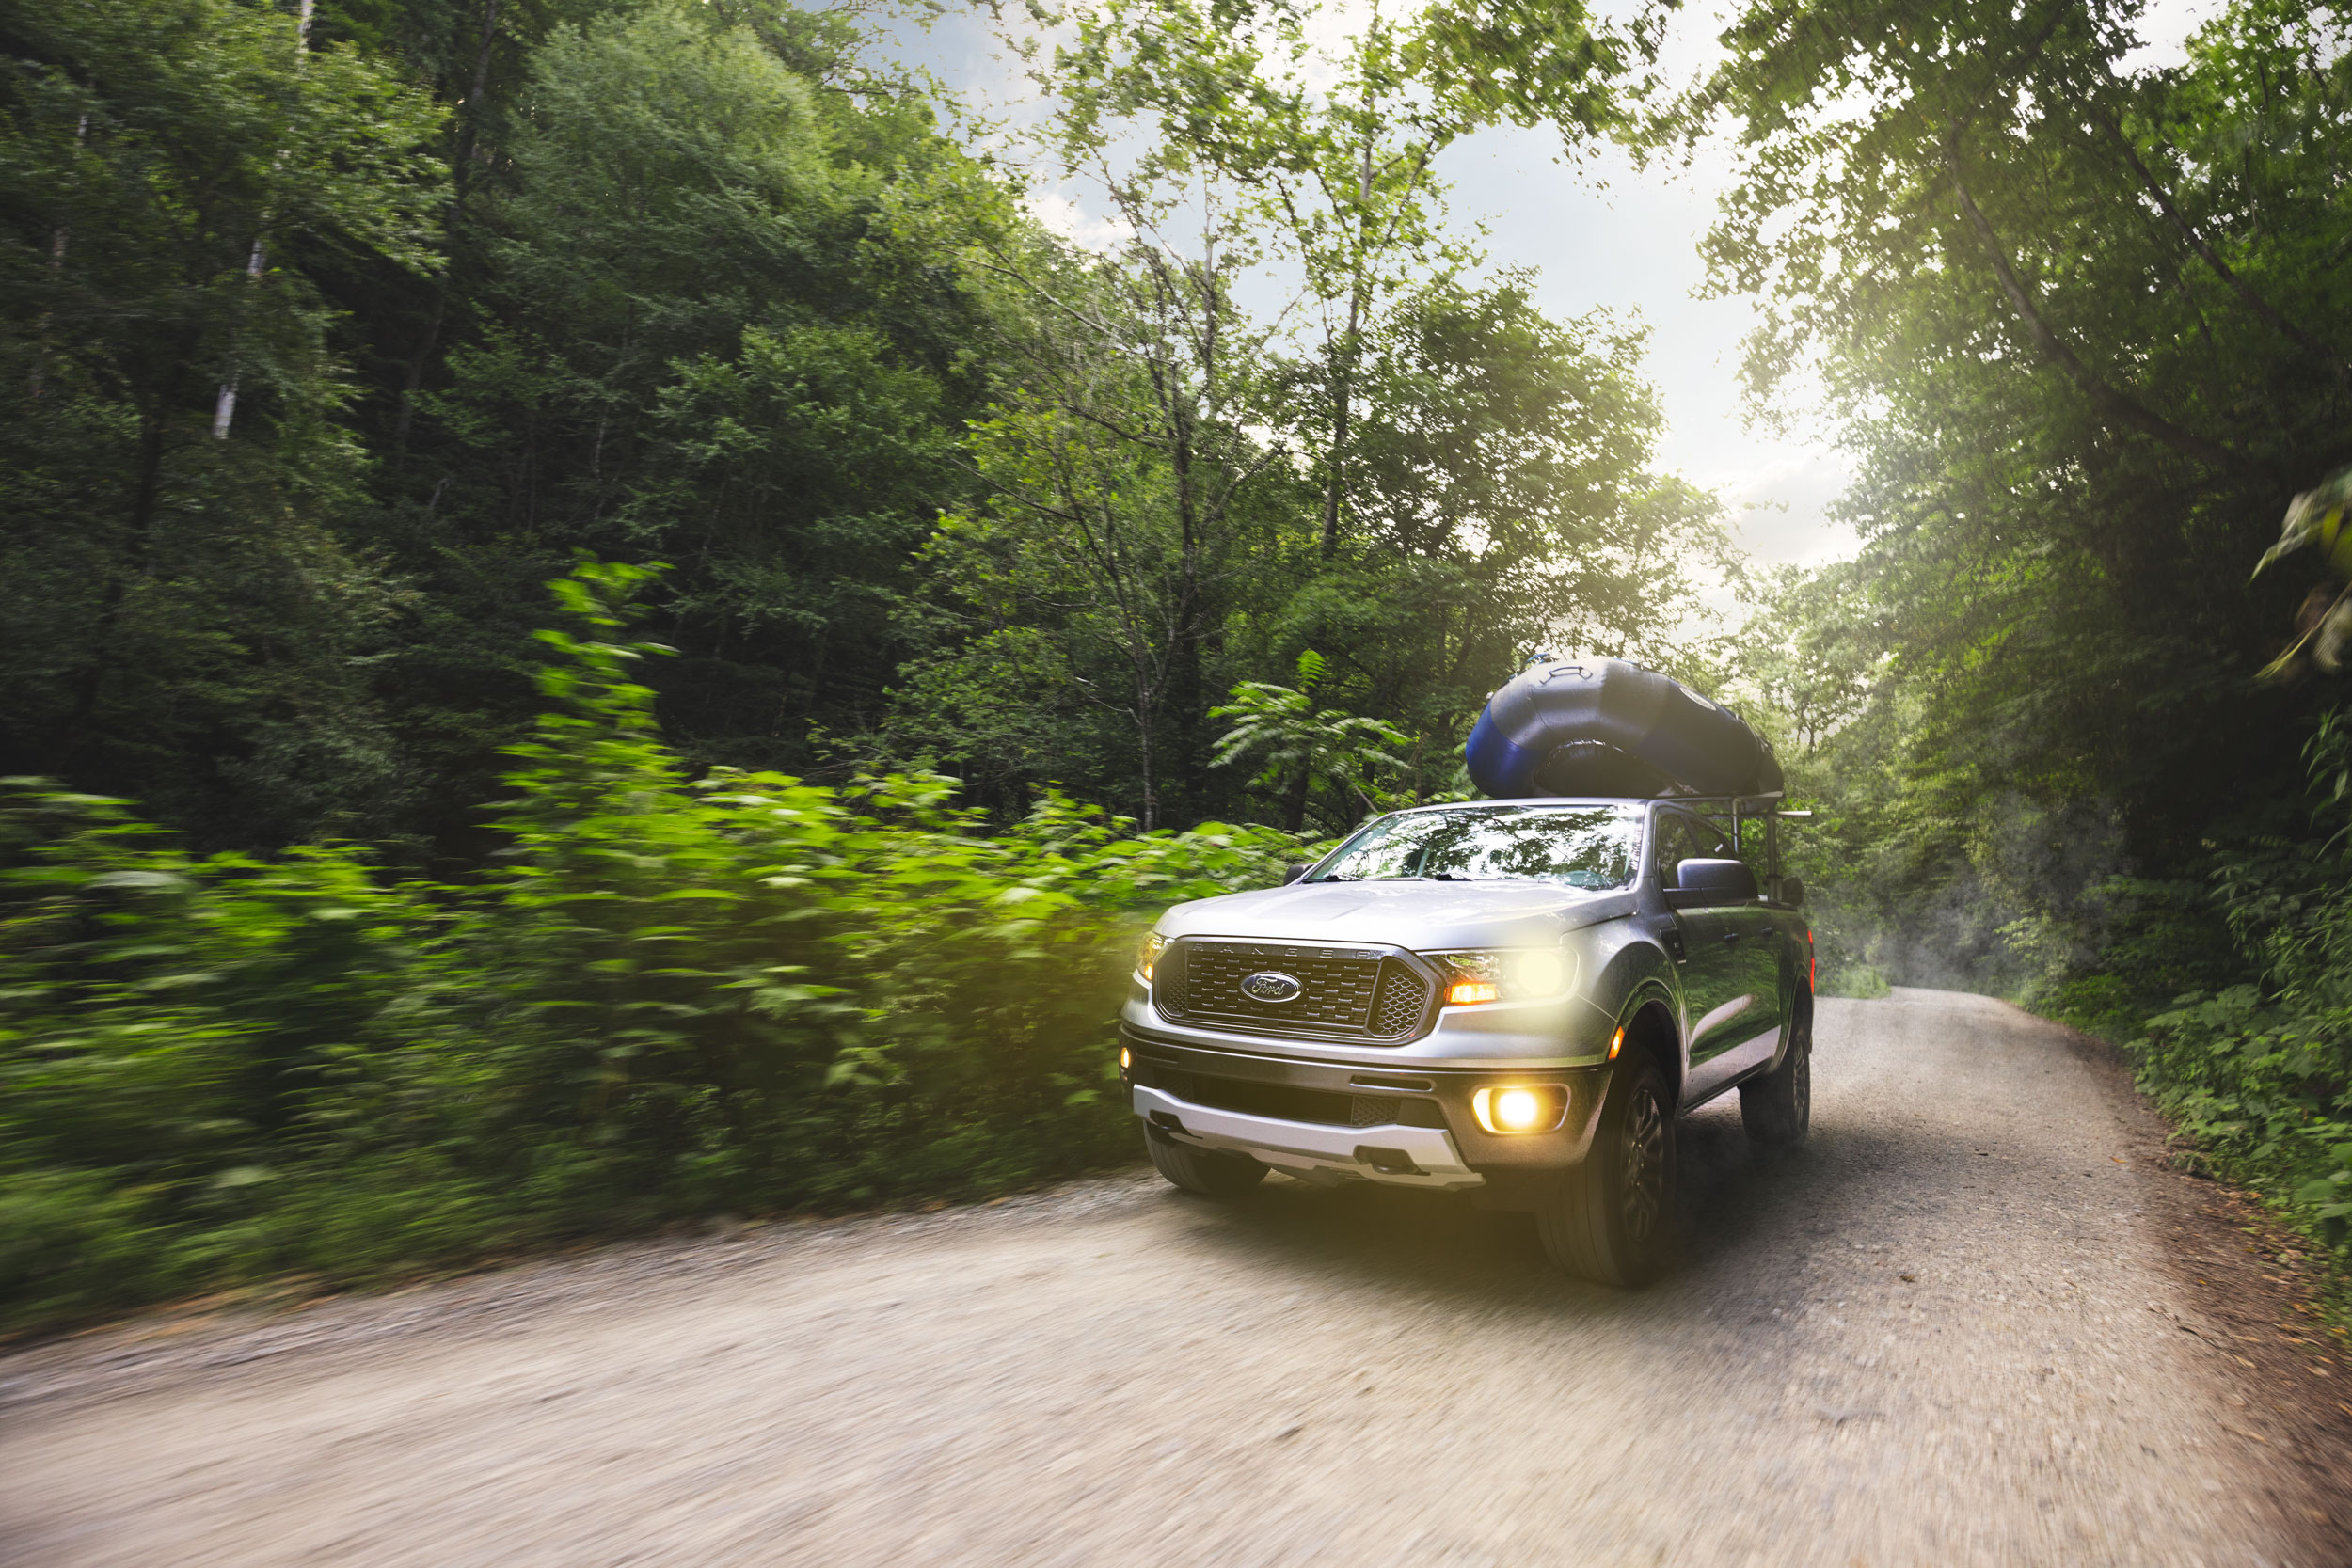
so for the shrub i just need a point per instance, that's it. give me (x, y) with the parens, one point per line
(668, 996)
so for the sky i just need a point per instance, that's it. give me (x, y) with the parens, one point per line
(1605, 234)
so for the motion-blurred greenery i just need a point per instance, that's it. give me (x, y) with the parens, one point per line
(670, 996)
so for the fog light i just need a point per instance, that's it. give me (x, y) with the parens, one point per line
(1521, 1107)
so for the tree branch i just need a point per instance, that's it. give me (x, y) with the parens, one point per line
(2112, 403)
(2221, 269)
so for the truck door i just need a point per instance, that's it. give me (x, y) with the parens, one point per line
(1711, 965)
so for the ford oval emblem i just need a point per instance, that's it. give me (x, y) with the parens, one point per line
(1271, 985)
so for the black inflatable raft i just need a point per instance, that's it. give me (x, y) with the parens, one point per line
(1603, 726)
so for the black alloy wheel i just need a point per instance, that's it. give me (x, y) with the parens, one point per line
(1777, 1108)
(1642, 1160)
(1612, 1220)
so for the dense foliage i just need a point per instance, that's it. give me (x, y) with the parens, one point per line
(332, 331)
(670, 996)
(2079, 322)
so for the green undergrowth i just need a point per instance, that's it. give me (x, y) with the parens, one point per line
(2230, 1072)
(2255, 1074)
(669, 997)
(1860, 981)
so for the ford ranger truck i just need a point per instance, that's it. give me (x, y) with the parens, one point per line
(1513, 998)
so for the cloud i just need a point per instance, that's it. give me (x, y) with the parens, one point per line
(1779, 510)
(1064, 215)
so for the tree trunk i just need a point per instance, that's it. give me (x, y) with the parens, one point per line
(59, 238)
(91, 683)
(1343, 371)
(461, 165)
(1295, 809)
(1144, 757)
(225, 403)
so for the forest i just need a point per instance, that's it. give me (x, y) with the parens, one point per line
(601, 622)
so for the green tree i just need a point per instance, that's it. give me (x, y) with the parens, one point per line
(1297, 745)
(179, 612)
(718, 320)
(2075, 318)
(1336, 147)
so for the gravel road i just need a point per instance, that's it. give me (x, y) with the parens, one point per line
(1955, 1329)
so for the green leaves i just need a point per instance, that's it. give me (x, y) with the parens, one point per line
(1299, 746)
(2315, 518)
(668, 995)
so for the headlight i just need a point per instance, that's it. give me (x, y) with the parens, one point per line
(1506, 974)
(1521, 1107)
(1149, 954)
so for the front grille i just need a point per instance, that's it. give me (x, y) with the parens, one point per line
(1288, 1104)
(1342, 991)
(1398, 1005)
(1387, 1110)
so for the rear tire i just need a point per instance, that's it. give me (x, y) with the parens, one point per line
(1206, 1172)
(1612, 1219)
(1777, 1108)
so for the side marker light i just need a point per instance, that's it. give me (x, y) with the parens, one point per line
(1616, 1042)
(1126, 1061)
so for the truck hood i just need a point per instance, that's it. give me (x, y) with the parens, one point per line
(1423, 916)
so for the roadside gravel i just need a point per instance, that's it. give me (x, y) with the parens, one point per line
(1963, 1327)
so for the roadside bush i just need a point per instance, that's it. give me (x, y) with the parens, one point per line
(2257, 1074)
(670, 996)
(1854, 979)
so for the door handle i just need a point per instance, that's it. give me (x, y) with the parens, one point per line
(1731, 939)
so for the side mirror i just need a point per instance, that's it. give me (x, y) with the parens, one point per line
(1292, 872)
(1712, 882)
(1792, 891)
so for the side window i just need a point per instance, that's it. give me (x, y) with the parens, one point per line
(1755, 846)
(1670, 840)
(1681, 837)
(1707, 842)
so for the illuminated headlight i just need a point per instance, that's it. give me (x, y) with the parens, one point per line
(1149, 954)
(1521, 1107)
(1506, 974)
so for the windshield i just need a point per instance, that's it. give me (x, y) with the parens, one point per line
(1582, 846)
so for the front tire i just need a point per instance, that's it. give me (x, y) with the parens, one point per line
(1777, 1108)
(1612, 1220)
(1208, 1173)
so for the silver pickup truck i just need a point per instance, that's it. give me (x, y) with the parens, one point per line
(1515, 997)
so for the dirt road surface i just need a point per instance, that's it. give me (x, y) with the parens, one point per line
(1948, 1332)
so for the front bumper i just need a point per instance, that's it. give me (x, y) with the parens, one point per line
(1335, 1120)
(1400, 1156)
